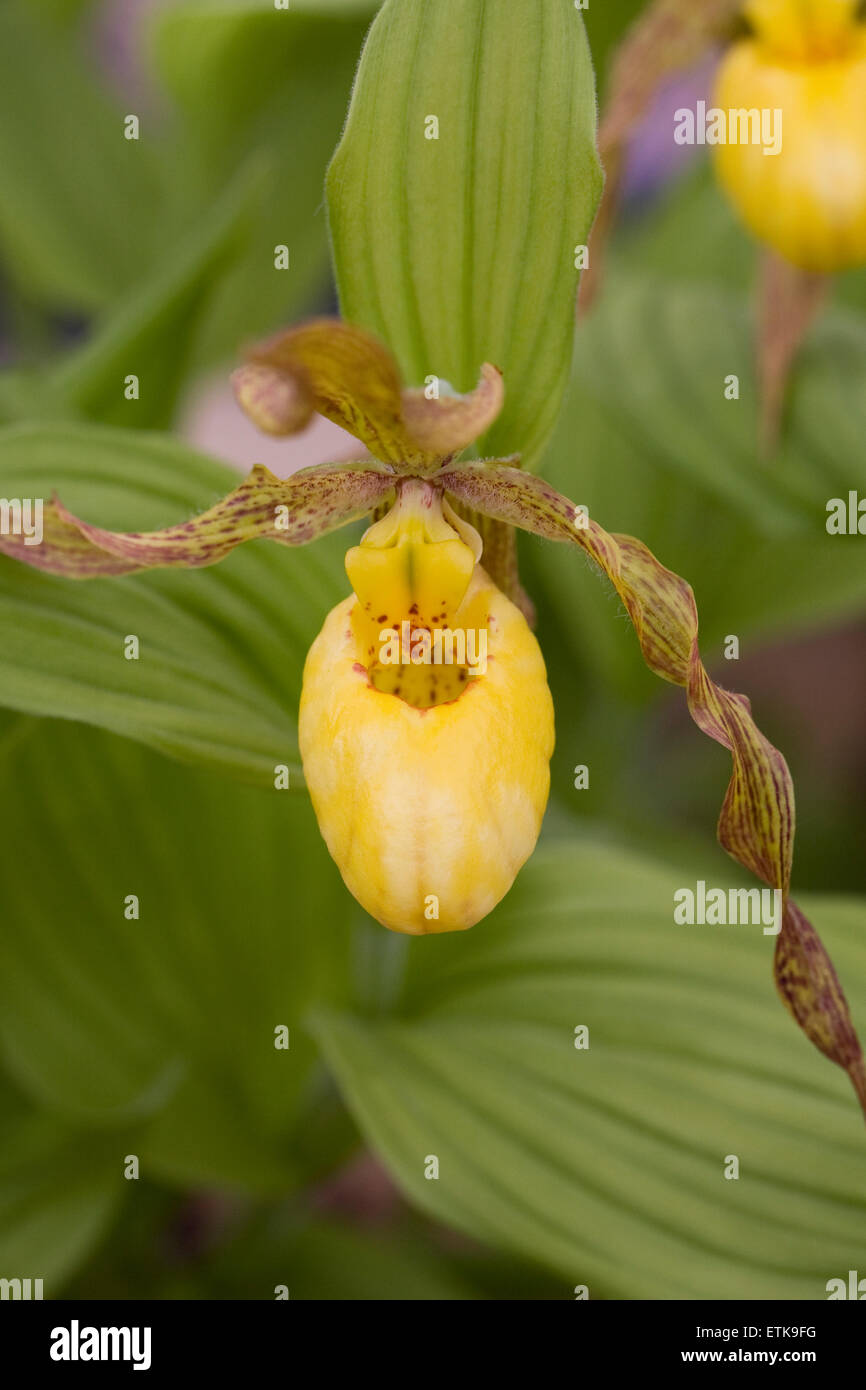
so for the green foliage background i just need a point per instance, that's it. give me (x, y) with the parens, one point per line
(155, 1037)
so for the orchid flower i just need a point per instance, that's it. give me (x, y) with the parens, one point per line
(801, 63)
(808, 199)
(430, 783)
(806, 196)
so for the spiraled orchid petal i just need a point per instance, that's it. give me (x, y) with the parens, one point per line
(756, 825)
(276, 403)
(445, 424)
(294, 511)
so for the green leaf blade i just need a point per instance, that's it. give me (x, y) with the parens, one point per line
(461, 249)
(79, 204)
(59, 1188)
(218, 678)
(607, 1164)
(163, 1014)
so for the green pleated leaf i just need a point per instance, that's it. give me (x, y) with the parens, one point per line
(154, 331)
(607, 1164)
(461, 249)
(283, 78)
(79, 204)
(659, 356)
(218, 678)
(167, 1017)
(658, 452)
(58, 1190)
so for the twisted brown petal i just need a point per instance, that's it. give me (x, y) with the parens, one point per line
(756, 825)
(292, 510)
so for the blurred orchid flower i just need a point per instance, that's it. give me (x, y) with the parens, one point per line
(801, 66)
(806, 60)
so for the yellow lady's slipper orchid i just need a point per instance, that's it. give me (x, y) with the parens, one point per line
(806, 59)
(430, 779)
(789, 116)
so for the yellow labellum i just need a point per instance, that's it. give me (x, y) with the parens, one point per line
(807, 60)
(429, 779)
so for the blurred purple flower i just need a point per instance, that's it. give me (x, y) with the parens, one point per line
(653, 158)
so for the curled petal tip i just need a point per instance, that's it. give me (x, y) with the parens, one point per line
(350, 377)
(347, 375)
(445, 424)
(276, 402)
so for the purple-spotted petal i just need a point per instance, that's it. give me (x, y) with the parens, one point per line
(756, 825)
(293, 511)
